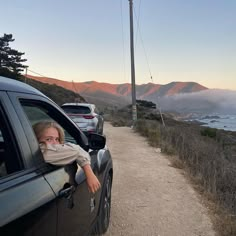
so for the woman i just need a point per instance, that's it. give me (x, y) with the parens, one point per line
(50, 136)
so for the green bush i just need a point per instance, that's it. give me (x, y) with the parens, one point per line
(209, 132)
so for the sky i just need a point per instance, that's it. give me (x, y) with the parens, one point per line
(82, 40)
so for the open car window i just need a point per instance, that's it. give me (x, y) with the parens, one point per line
(39, 111)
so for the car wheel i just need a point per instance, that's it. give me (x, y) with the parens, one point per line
(105, 208)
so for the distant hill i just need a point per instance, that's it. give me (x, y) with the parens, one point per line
(118, 95)
(57, 93)
(181, 97)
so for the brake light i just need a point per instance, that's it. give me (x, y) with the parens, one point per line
(88, 117)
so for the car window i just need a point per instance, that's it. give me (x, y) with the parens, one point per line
(37, 111)
(10, 161)
(76, 109)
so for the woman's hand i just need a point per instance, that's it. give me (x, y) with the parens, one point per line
(92, 180)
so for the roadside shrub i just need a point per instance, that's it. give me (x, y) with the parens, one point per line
(154, 137)
(211, 160)
(210, 132)
(149, 129)
(141, 126)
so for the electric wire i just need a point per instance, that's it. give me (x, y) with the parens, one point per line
(123, 41)
(36, 73)
(138, 20)
(158, 107)
(141, 39)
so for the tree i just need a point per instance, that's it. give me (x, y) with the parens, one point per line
(10, 59)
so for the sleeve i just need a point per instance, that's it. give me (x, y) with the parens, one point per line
(63, 154)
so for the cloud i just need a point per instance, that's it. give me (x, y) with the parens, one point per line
(207, 101)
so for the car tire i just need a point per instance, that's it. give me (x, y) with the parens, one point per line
(105, 208)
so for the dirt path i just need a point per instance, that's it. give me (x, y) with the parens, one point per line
(149, 197)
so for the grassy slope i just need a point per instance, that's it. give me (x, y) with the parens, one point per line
(208, 155)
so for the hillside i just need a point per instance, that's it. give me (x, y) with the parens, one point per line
(57, 93)
(120, 94)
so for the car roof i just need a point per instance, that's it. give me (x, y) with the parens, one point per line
(7, 84)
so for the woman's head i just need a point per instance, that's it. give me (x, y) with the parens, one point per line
(49, 132)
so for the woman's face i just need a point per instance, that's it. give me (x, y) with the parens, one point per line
(50, 136)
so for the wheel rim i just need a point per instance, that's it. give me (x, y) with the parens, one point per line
(107, 202)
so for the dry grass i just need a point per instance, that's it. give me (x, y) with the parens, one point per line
(208, 158)
(207, 163)
(176, 162)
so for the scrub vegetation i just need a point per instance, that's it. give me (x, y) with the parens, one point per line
(207, 155)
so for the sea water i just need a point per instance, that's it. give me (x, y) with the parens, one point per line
(226, 122)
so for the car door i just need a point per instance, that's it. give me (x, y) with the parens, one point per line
(68, 182)
(26, 199)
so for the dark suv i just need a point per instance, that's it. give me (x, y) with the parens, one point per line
(37, 198)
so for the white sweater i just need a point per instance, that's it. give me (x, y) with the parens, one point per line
(63, 154)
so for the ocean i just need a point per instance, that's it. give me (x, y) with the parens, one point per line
(226, 122)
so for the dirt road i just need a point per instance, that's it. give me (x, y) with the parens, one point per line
(149, 197)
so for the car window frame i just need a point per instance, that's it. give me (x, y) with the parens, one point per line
(21, 146)
(64, 118)
(14, 129)
(13, 162)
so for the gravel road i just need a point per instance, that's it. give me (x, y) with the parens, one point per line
(149, 197)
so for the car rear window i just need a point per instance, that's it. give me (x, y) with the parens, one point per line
(76, 109)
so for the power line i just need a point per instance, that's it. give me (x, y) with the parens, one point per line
(145, 53)
(37, 73)
(123, 41)
(138, 29)
(139, 6)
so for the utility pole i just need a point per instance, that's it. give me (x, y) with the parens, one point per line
(134, 109)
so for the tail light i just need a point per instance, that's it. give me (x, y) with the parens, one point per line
(88, 117)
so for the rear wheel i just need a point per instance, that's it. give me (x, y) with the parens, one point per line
(105, 208)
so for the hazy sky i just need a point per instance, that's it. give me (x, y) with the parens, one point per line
(82, 40)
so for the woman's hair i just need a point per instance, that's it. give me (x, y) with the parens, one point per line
(41, 126)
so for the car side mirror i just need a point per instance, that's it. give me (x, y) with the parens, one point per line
(96, 141)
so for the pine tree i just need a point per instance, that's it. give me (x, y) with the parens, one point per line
(10, 59)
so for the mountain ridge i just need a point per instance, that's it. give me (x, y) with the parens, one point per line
(180, 97)
(120, 94)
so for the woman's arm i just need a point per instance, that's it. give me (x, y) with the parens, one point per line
(63, 154)
(92, 181)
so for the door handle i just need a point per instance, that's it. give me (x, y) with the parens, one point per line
(66, 192)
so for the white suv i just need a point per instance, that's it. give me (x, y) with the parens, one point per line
(86, 116)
